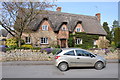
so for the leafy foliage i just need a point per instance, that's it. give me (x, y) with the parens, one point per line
(117, 37)
(29, 46)
(107, 29)
(11, 42)
(87, 40)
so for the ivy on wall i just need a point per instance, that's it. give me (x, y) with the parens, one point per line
(87, 40)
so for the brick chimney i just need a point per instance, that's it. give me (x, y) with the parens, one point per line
(98, 15)
(58, 9)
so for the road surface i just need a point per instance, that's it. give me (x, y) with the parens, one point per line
(50, 71)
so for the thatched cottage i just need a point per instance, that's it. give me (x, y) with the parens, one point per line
(54, 28)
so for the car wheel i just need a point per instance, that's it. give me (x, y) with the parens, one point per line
(99, 65)
(63, 66)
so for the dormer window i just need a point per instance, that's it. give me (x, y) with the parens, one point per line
(63, 28)
(78, 30)
(44, 27)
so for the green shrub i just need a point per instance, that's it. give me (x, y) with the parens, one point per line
(55, 50)
(56, 46)
(84, 46)
(36, 48)
(27, 46)
(11, 42)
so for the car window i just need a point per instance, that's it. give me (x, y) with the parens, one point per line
(83, 53)
(79, 53)
(71, 53)
(58, 52)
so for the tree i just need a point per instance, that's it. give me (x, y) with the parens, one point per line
(107, 29)
(117, 36)
(115, 24)
(102, 43)
(17, 16)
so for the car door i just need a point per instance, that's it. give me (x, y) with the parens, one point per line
(70, 57)
(84, 58)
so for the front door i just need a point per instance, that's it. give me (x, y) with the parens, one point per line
(63, 43)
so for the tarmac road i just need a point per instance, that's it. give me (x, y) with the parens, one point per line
(50, 71)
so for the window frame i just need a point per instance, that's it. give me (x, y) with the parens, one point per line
(94, 42)
(45, 40)
(64, 28)
(45, 27)
(80, 42)
(84, 53)
(70, 55)
(27, 40)
(77, 29)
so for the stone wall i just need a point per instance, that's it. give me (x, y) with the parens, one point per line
(109, 55)
(36, 55)
(25, 55)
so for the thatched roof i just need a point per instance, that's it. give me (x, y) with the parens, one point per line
(90, 24)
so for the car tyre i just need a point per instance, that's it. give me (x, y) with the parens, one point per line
(99, 65)
(63, 66)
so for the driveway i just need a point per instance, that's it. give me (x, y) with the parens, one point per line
(50, 71)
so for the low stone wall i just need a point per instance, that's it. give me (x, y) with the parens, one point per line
(108, 55)
(25, 56)
(36, 55)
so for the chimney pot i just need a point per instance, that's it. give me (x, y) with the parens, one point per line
(58, 9)
(98, 15)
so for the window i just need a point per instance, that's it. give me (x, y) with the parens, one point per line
(71, 53)
(63, 28)
(59, 52)
(78, 30)
(94, 42)
(79, 53)
(27, 40)
(83, 53)
(78, 41)
(44, 41)
(45, 27)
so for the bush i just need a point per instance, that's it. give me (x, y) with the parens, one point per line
(48, 50)
(56, 46)
(11, 42)
(55, 50)
(27, 46)
(84, 46)
(36, 48)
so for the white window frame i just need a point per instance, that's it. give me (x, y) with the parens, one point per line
(44, 41)
(78, 30)
(28, 40)
(94, 42)
(78, 41)
(44, 27)
(64, 28)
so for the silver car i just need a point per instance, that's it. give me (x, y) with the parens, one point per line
(76, 57)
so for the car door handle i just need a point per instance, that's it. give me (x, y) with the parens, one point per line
(78, 58)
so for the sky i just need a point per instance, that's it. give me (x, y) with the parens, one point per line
(108, 10)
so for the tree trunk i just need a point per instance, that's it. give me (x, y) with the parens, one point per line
(19, 40)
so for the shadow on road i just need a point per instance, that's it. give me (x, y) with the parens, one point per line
(82, 68)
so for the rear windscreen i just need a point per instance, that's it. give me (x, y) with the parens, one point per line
(58, 52)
